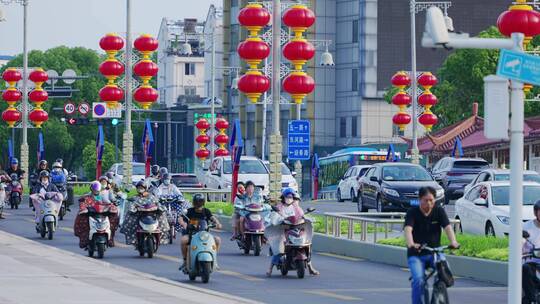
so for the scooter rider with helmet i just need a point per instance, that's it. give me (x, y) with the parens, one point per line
(107, 195)
(43, 186)
(34, 178)
(531, 266)
(240, 202)
(14, 169)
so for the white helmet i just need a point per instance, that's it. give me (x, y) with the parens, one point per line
(57, 165)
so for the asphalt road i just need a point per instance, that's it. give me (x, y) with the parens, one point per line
(342, 279)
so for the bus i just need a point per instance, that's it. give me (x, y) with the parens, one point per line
(333, 167)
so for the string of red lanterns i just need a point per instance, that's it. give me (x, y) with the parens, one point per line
(222, 139)
(145, 94)
(11, 96)
(253, 50)
(298, 51)
(401, 80)
(427, 100)
(202, 125)
(111, 68)
(38, 96)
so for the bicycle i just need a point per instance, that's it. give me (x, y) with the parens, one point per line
(441, 273)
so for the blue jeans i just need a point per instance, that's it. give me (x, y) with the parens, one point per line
(417, 265)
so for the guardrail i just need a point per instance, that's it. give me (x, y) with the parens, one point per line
(374, 221)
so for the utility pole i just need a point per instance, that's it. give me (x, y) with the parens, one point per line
(127, 149)
(298, 163)
(24, 145)
(212, 102)
(415, 157)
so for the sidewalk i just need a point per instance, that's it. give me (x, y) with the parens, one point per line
(34, 273)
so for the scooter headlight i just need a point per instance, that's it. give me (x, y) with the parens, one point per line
(204, 236)
(48, 204)
(255, 217)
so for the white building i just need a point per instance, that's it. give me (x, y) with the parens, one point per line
(4, 59)
(213, 36)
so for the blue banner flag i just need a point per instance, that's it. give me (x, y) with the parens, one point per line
(100, 143)
(41, 147)
(315, 166)
(10, 150)
(391, 154)
(237, 145)
(147, 140)
(457, 151)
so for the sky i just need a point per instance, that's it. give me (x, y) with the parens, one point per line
(83, 22)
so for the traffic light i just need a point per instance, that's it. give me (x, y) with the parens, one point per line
(114, 121)
(77, 121)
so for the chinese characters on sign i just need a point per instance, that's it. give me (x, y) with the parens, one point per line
(298, 140)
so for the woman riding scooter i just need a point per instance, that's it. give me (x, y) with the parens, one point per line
(249, 197)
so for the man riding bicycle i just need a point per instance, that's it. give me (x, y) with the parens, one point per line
(423, 225)
(531, 283)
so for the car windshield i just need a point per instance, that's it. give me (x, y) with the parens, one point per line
(246, 167)
(405, 173)
(471, 164)
(138, 170)
(285, 170)
(500, 195)
(185, 179)
(526, 177)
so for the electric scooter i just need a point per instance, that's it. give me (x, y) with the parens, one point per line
(100, 228)
(253, 229)
(148, 231)
(14, 191)
(47, 206)
(201, 254)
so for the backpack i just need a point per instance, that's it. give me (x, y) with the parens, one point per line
(58, 177)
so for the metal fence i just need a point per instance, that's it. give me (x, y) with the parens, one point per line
(376, 224)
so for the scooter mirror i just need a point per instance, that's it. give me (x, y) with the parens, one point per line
(526, 234)
(309, 210)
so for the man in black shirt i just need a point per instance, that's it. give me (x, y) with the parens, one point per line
(423, 225)
(15, 169)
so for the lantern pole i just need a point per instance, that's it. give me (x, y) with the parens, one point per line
(127, 148)
(275, 138)
(24, 145)
(212, 102)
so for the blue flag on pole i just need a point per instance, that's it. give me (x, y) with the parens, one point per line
(457, 151)
(315, 167)
(148, 139)
(10, 150)
(100, 143)
(41, 147)
(391, 154)
(237, 143)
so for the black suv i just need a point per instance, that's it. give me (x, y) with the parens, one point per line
(394, 187)
(453, 174)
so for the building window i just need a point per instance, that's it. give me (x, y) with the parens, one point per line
(354, 80)
(354, 127)
(190, 91)
(189, 69)
(355, 31)
(343, 127)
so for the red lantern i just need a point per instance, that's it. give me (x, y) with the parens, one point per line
(401, 80)
(146, 44)
(222, 152)
(111, 69)
(401, 99)
(254, 17)
(427, 100)
(298, 51)
(299, 18)
(202, 154)
(145, 96)
(428, 120)
(111, 94)
(111, 43)
(298, 85)
(253, 51)
(202, 124)
(11, 76)
(401, 119)
(520, 18)
(39, 76)
(11, 96)
(38, 117)
(11, 116)
(427, 80)
(253, 84)
(222, 139)
(222, 124)
(202, 139)
(38, 97)
(145, 69)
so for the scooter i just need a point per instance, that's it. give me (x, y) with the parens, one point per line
(14, 191)
(63, 209)
(2, 197)
(47, 206)
(167, 202)
(100, 229)
(201, 257)
(298, 236)
(253, 230)
(148, 230)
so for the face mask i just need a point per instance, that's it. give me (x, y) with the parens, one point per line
(104, 186)
(288, 200)
(140, 190)
(167, 182)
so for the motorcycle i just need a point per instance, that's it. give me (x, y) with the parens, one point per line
(295, 248)
(47, 206)
(100, 228)
(201, 257)
(167, 202)
(253, 237)
(148, 233)
(2, 197)
(14, 192)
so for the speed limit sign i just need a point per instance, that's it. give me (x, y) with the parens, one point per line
(84, 108)
(69, 108)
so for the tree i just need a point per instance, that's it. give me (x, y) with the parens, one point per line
(89, 158)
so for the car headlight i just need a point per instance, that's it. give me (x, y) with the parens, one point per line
(439, 193)
(504, 219)
(390, 192)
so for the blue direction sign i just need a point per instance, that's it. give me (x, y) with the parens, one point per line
(519, 66)
(298, 140)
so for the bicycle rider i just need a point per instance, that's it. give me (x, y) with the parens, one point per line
(423, 225)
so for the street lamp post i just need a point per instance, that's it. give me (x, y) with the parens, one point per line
(127, 150)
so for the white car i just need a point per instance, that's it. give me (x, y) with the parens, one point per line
(348, 185)
(138, 172)
(501, 175)
(287, 177)
(485, 210)
(219, 174)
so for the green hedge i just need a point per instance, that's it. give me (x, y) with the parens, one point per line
(319, 226)
(471, 246)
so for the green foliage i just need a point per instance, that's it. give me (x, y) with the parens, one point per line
(89, 158)
(226, 208)
(471, 246)
(320, 222)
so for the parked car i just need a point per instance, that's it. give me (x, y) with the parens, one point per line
(186, 180)
(348, 185)
(137, 174)
(453, 174)
(288, 179)
(395, 186)
(219, 174)
(501, 175)
(485, 210)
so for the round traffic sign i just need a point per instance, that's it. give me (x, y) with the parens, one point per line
(69, 108)
(99, 110)
(84, 108)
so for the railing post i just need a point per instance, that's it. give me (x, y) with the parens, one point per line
(375, 233)
(364, 230)
(337, 232)
(350, 233)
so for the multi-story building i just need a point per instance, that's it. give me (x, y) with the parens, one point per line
(4, 59)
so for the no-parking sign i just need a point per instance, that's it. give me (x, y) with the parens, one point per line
(100, 110)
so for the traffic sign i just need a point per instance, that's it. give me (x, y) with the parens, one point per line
(100, 110)
(69, 108)
(299, 140)
(84, 108)
(519, 66)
